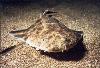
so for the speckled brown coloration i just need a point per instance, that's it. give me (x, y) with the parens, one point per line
(48, 34)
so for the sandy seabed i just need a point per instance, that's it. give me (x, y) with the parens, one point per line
(80, 16)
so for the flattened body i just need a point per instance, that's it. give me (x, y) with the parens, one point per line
(48, 34)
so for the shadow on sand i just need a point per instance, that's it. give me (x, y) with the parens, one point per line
(74, 54)
(8, 49)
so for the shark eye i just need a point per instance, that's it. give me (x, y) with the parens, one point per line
(49, 12)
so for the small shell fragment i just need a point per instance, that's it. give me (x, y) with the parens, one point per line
(48, 34)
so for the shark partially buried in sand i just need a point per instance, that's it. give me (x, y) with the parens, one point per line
(48, 34)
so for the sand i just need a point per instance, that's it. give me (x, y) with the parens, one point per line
(79, 15)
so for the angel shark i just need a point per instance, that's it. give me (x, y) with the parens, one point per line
(48, 34)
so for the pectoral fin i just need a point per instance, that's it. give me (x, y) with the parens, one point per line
(79, 34)
(20, 34)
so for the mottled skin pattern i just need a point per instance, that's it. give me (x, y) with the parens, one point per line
(48, 34)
